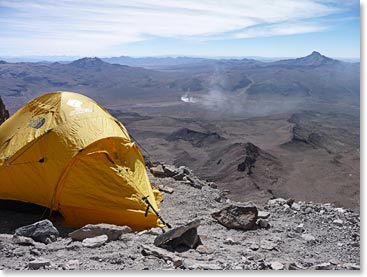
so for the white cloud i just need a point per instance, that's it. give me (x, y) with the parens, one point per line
(280, 29)
(91, 27)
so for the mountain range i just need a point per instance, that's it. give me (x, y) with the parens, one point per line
(313, 78)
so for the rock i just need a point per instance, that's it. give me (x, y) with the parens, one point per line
(323, 266)
(276, 265)
(157, 171)
(95, 242)
(35, 251)
(162, 254)
(351, 266)
(195, 265)
(340, 210)
(179, 177)
(213, 185)
(335, 261)
(23, 240)
(292, 235)
(296, 206)
(155, 231)
(170, 170)
(338, 222)
(180, 238)
(71, 265)
(194, 182)
(230, 241)
(241, 217)
(267, 244)
(299, 228)
(185, 170)
(308, 210)
(113, 232)
(277, 201)
(41, 231)
(355, 244)
(308, 237)
(254, 246)
(295, 266)
(202, 249)
(217, 197)
(165, 188)
(262, 223)
(263, 214)
(38, 263)
(290, 202)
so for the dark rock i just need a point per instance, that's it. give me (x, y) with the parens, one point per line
(157, 171)
(290, 202)
(170, 170)
(41, 231)
(241, 217)
(179, 177)
(113, 232)
(181, 238)
(194, 182)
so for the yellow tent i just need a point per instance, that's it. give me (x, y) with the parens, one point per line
(65, 152)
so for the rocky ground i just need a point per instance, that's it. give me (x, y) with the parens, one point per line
(287, 235)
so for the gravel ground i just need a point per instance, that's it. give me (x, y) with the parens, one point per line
(294, 236)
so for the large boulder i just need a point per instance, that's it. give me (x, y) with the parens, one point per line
(180, 238)
(241, 217)
(113, 232)
(41, 231)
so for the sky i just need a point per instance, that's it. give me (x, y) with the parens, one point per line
(207, 28)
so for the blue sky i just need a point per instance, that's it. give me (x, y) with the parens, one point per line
(268, 28)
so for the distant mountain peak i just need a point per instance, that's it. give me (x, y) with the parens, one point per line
(88, 62)
(315, 53)
(315, 59)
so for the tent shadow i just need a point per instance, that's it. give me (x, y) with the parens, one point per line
(15, 214)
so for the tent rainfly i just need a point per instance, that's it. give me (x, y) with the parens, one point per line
(65, 152)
